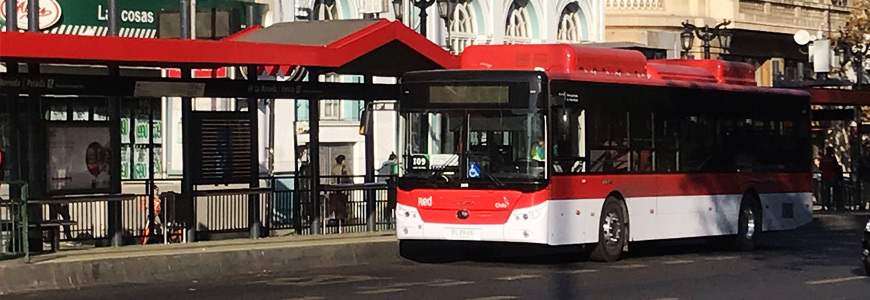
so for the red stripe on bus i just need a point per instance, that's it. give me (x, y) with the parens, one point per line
(495, 206)
(641, 185)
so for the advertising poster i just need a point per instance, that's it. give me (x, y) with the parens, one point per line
(141, 129)
(140, 163)
(158, 156)
(125, 162)
(79, 159)
(125, 129)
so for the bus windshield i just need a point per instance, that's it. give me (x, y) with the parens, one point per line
(493, 146)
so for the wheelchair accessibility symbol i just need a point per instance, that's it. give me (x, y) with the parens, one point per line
(473, 170)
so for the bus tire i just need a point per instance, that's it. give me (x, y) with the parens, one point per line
(749, 225)
(612, 232)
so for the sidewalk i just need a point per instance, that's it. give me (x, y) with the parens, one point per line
(202, 260)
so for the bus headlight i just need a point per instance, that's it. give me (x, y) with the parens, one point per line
(867, 227)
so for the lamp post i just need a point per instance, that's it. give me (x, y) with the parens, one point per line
(855, 54)
(445, 11)
(421, 4)
(706, 34)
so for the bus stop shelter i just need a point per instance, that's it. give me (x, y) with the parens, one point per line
(228, 141)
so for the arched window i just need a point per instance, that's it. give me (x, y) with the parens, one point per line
(518, 29)
(463, 26)
(570, 26)
(324, 10)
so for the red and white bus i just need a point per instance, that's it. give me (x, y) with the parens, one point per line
(562, 144)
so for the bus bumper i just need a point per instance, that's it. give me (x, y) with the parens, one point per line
(527, 225)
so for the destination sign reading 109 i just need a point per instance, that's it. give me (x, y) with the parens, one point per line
(487, 94)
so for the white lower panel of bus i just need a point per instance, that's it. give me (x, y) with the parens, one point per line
(561, 222)
(528, 225)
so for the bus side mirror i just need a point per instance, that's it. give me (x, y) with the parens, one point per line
(365, 122)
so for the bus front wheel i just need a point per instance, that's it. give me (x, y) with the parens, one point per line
(748, 224)
(612, 232)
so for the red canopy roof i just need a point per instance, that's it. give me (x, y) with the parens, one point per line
(382, 48)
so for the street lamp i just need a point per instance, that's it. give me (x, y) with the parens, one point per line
(706, 34)
(421, 4)
(855, 54)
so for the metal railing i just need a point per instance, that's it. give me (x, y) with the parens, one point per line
(848, 194)
(284, 204)
(13, 220)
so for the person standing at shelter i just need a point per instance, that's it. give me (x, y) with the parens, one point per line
(338, 200)
(832, 174)
(387, 173)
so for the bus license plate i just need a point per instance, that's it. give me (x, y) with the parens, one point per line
(463, 234)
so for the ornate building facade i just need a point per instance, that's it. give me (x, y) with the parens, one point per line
(763, 29)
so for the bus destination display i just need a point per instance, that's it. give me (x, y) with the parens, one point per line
(489, 94)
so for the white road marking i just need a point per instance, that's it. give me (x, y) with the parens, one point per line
(495, 298)
(581, 271)
(677, 262)
(381, 291)
(450, 283)
(320, 280)
(835, 280)
(518, 277)
(717, 258)
(634, 266)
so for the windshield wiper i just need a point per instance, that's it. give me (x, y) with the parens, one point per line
(437, 172)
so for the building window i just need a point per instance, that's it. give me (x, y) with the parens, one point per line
(462, 27)
(324, 10)
(330, 109)
(518, 28)
(570, 25)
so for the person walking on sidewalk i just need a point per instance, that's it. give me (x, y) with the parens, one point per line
(832, 175)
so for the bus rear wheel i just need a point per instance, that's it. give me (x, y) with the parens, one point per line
(612, 233)
(748, 223)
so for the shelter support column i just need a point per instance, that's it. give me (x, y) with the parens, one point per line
(254, 221)
(370, 158)
(35, 136)
(114, 208)
(314, 155)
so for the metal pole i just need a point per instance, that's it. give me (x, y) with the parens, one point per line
(114, 19)
(858, 69)
(253, 199)
(186, 133)
(314, 159)
(706, 47)
(32, 15)
(370, 157)
(184, 18)
(11, 14)
(314, 154)
(423, 16)
(114, 207)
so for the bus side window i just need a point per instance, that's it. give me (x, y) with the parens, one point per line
(569, 147)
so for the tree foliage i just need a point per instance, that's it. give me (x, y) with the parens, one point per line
(856, 31)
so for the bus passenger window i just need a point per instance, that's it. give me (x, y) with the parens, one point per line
(569, 147)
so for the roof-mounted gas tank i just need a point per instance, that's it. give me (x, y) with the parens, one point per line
(724, 72)
(554, 58)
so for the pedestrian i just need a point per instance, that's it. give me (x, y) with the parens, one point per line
(388, 168)
(62, 210)
(338, 199)
(832, 174)
(386, 174)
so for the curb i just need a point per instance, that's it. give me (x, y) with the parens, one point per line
(22, 278)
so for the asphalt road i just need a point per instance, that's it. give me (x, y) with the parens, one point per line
(809, 263)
